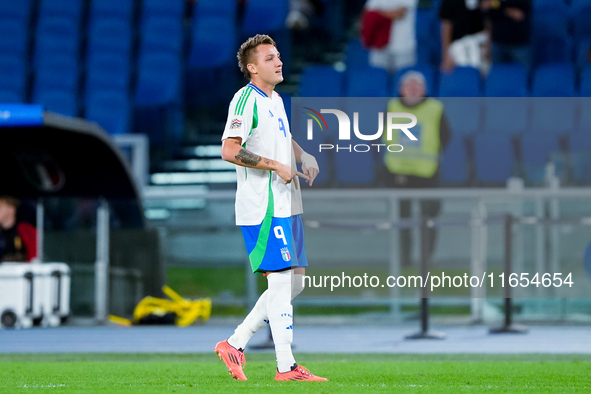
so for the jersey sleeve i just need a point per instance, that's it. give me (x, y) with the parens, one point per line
(241, 115)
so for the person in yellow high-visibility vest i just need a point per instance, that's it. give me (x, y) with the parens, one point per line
(417, 165)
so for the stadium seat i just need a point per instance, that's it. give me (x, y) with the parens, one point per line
(212, 50)
(506, 115)
(13, 81)
(549, 6)
(158, 97)
(18, 11)
(210, 45)
(582, 53)
(268, 17)
(170, 8)
(60, 101)
(57, 73)
(355, 168)
(7, 96)
(464, 114)
(553, 49)
(506, 80)
(582, 28)
(577, 4)
(550, 33)
(536, 150)
(490, 170)
(321, 81)
(159, 79)
(15, 37)
(110, 36)
(56, 36)
(112, 9)
(580, 157)
(332, 19)
(583, 124)
(581, 14)
(554, 80)
(162, 34)
(69, 9)
(428, 72)
(461, 82)
(111, 110)
(454, 163)
(107, 71)
(368, 82)
(209, 8)
(356, 56)
(553, 115)
(264, 16)
(550, 21)
(585, 84)
(426, 41)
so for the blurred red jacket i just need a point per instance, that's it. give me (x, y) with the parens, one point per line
(28, 234)
(374, 30)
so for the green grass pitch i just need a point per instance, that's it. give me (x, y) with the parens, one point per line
(348, 373)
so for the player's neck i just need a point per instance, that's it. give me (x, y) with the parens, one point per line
(264, 86)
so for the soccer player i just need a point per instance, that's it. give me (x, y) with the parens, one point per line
(268, 205)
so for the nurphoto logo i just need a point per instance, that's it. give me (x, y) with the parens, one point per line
(345, 130)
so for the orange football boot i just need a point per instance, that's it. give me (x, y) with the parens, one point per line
(299, 373)
(233, 358)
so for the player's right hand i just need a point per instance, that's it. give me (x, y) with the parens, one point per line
(285, 172)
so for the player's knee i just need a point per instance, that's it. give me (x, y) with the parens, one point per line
(297, 285)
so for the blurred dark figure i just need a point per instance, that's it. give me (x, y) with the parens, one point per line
(18, 239)
(510, 24)
(463, 39)
(417, 166)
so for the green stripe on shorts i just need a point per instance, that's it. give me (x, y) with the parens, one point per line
(258, 253)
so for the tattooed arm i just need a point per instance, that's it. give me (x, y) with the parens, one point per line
(233, 152)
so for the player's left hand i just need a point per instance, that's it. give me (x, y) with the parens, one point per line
(309, 167)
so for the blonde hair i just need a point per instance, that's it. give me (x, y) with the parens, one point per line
(13, 202)
(248, 49)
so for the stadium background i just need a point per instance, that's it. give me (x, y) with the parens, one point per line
(167, 69)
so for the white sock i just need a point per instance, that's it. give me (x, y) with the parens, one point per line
(297, 285)
(254, 321)
(280, 314)
(257, 318)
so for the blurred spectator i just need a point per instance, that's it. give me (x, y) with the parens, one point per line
(463, 39)
(401, 49)
(417, 166)
(300, 13)
(18, 240)
(511, 23)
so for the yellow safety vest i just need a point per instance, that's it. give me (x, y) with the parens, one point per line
(419, 158)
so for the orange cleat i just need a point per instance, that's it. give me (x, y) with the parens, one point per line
(233, 358)
(300, 373)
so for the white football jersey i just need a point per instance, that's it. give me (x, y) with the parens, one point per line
(262, 124)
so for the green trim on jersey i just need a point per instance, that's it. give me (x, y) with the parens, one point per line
(245, 168)
(255, 117)
(258, 253)
(255, 123)
(242, 101)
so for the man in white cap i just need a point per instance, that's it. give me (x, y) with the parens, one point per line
(417, 165)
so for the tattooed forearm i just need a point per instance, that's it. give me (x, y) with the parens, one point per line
(248, 158)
